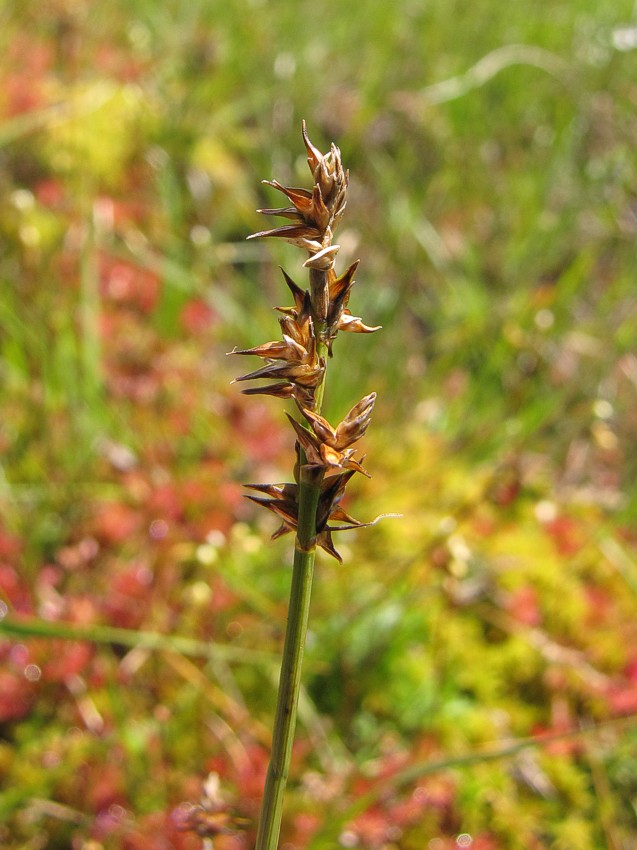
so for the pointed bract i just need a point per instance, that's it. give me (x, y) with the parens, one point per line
(340, 460)
(314, 156)
(284, 389)
(324, 540)
(285, 349)
(321, 427)
(305, 374)
(286, 212)
(298, 294)
(324, 259)
(340, 286)
(301, 198)
(353, 324)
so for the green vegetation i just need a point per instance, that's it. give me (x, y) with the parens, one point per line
(471, 672)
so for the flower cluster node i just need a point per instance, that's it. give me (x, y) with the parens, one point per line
(295, 364)
(329, 447)
(314, 212)
(282, 500)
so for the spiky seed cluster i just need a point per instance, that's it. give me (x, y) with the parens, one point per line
(314, 213)
(283, 502)
(295, 364)
(328, 447)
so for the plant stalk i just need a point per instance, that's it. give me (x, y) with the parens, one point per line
(298, 614)
(290, 679)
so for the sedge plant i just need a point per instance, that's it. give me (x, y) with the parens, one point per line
(295, 369)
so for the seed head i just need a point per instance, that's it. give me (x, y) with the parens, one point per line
(349, 430)
(294, 366)
(322, 454)
(313, 212)
(282, 500)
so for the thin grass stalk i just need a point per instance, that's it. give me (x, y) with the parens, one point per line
(33, 627)
(325, 461)
(290, 679)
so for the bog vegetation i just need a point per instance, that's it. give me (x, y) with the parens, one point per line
(471, 670)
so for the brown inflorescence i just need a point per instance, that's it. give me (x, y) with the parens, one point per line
(295, 364)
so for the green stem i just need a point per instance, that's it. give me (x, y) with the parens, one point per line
(290, 680)
(298, 614)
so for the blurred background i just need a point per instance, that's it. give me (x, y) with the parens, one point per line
(493, 204)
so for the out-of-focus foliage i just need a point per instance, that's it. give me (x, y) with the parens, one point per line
(492, 157)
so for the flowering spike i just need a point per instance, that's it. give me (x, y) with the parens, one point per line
(294, 368)
(283, 501)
